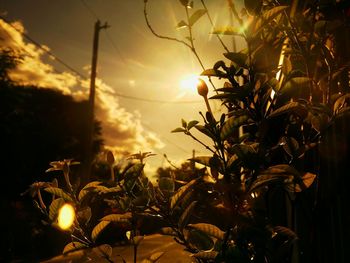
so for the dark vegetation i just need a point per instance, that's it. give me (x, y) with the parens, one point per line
(37, 126)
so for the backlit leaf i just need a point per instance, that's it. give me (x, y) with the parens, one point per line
(180, 193)
(59, 192)
(181, 24)
(268, 16)
(178, 130)
(117, 217)
(195, 16)
(87, 188)
(231, 124)
(294, 84)
(191, 124)
(186, 215)
(237, 58)
(206, 255)
(73, 246)
(156, 256)
(209, 229)
(232, 31)
(54, 208)
(98, 229)
(291, 107)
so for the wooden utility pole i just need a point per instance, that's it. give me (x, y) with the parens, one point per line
(91, 114)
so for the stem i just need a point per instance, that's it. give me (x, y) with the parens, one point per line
(206, 147)
(112, 173)
(42, 204)
(212, 24)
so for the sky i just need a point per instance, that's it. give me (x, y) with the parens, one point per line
(132, 62)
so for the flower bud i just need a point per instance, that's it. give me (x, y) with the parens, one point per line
(202, 88)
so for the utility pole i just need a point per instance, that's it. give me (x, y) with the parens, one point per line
(91, 112)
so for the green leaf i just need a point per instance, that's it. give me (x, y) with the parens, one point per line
(290, 145)
(268, 16)
(120, 218)
(178, 130)
(206, 255)
(184, 123)
(204, 130)
(291, 107)
(231, 124)
(209, 229)
(87, 188)
(186, 215)
(181, 24)
(231, 31)
(98, 229)
(59, 192)
(191, 124)
(238, 58)
(295, 83)
(298, 185)
(181, 192)
(195, 16)
(54, 208)
(72, 246)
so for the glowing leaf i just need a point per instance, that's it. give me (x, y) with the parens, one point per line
(87, 188)
(195, 16)
(59, 192)
(54, 208)
(180, 193)
(117, 217)
(98, 229)
(73, 246)
(209, 229)
(186, 215)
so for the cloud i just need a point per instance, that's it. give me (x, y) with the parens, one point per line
(122, 130)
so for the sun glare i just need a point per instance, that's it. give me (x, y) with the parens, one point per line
(189, 83)
(66, 216)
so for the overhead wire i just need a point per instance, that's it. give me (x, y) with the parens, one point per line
(70, 68)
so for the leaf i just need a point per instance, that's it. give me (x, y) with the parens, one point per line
(121, 218)
(204, 160)
(104, 251)
(195, 16)
(98, 229)
(291, 107)
(59, 192)
(231, 124)
(290, 145)
(181, 24)
(178, 130)
(84, 215)
(87, 188)
(191, 124)
(199, 239)
(166, 184)
(287, 66)
(268, 16)
(209, 229)
(186, 215)
(54, 208)
(73, 246)
(168, 231)
(180, 193)
(297, 186)
(231, 31)
(156, 256)
(206, 255)
(184, 123)
(253, 6)
(238, 58)
(286, 232)
(295, 83)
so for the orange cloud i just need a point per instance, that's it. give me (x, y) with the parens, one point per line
(122, 130)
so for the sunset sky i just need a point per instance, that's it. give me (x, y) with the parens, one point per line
(132, 62)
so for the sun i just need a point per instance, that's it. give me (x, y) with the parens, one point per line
(189, 83)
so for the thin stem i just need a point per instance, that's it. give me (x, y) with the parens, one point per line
(194, 138)
(212, 24)
(42, 204)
